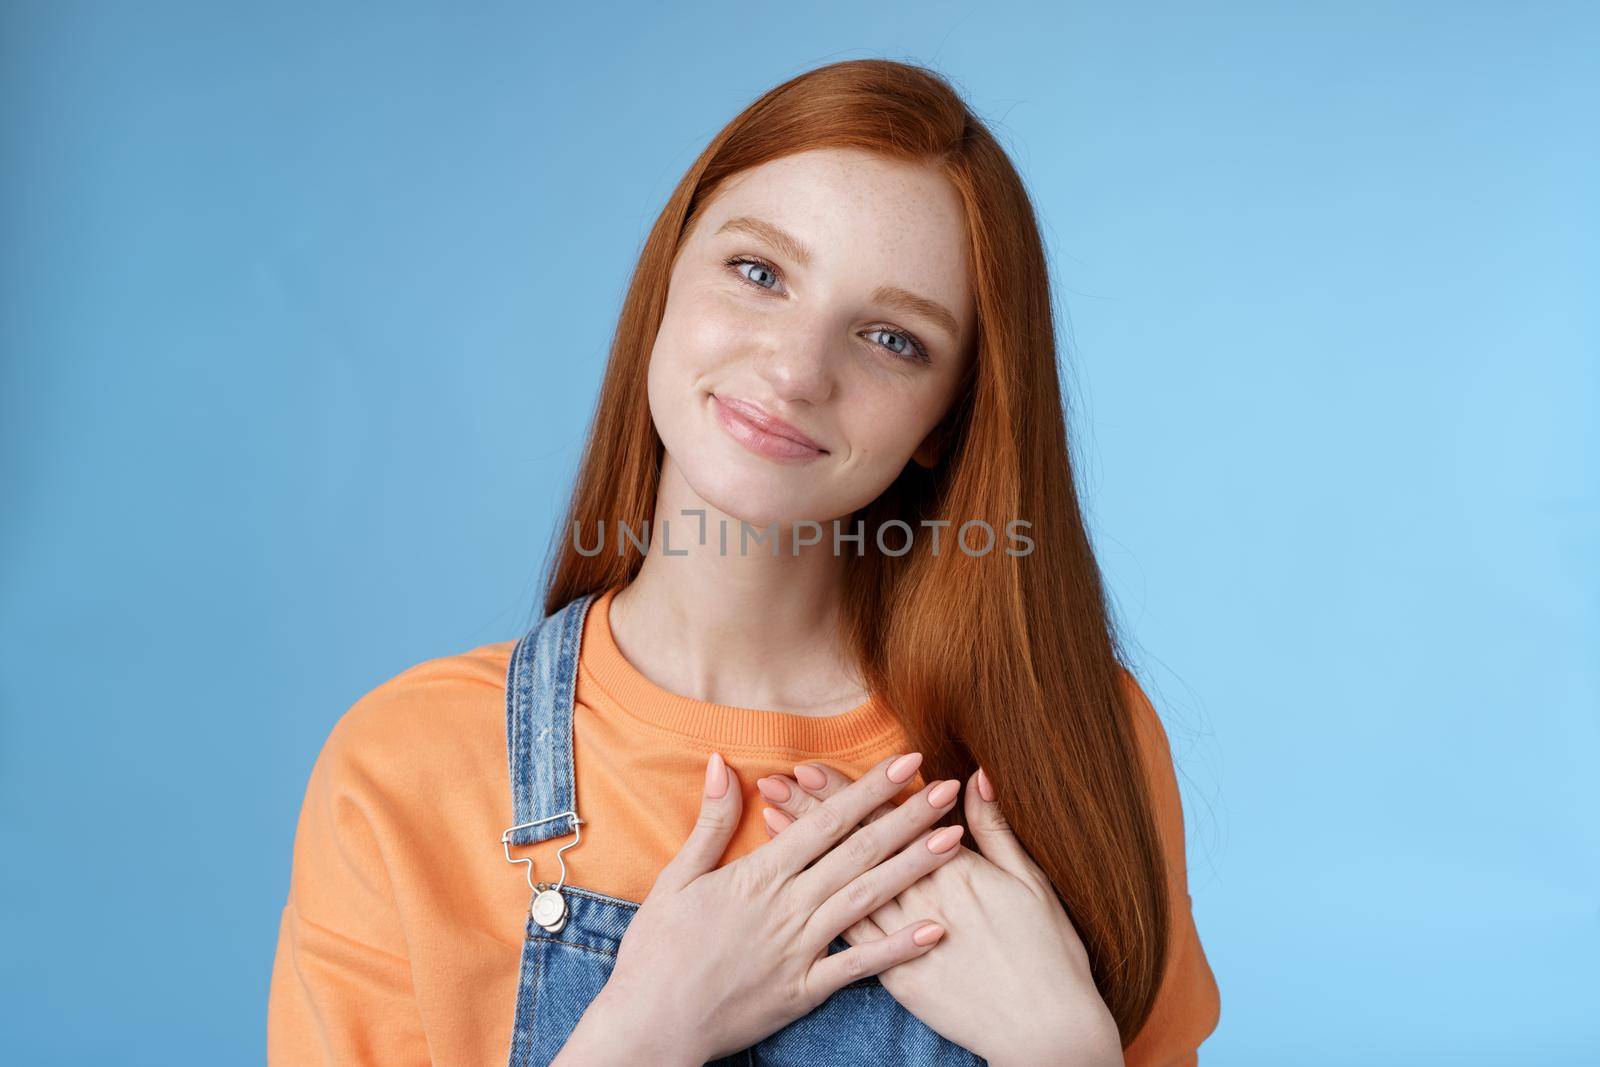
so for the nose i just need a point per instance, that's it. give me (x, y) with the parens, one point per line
(798, 368)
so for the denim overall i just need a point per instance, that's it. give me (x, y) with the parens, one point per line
(563, 971)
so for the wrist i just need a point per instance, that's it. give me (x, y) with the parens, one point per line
(611, 1033)
(1097, 1044)
(1074, 1053)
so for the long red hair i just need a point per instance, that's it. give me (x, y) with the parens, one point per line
(1008, 661)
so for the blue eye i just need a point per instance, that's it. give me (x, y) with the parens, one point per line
(911, 348)
(741, 261)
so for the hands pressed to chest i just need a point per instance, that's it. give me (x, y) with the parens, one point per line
(974, 944)
(1011, 979)
(717, 958)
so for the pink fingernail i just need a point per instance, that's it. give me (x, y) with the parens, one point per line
(985, 787)
(944, 840)
(928, 934)
(716, 776)
(904, 767)
(773, 790)
(777, 820)
(943, 793)
(809, 776)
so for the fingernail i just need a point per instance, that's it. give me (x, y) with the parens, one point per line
(776, 819)
(944, 840)
(943, 793)
(809, 776)
(985, 787)
(904, 767)
(928, 934)
(716, 776)
(773, 790)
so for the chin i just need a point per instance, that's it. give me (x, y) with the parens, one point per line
(757, 505)
(755, 497)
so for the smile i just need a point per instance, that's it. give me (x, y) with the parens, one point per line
(762, 433)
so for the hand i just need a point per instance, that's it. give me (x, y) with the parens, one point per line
(716, 958)
(1011, 981)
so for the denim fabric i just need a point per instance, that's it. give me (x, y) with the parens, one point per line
(562, 972)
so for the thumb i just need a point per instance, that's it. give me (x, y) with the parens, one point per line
(992, 832)
(721, 804)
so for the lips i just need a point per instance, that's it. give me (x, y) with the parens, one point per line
(767, 423)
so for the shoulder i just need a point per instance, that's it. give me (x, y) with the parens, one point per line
(1188, 1005)
(1148, 728)
(436, 730)
(1160, 769)
(426, 711)
(379, 796)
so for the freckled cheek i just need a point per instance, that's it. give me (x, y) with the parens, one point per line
(694, 345)
(886, 431)
(721, 340)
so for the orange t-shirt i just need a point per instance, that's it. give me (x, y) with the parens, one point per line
(402, 936)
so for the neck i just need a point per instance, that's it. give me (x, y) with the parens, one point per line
(746, 629)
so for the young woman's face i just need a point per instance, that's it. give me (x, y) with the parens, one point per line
(828, 290)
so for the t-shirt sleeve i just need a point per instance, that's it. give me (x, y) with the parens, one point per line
(1188, 1003)
(341, 989)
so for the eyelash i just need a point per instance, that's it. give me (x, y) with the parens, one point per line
(919, 353)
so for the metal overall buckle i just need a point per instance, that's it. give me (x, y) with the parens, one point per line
(549, 907)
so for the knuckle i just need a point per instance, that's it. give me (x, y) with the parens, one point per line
(861, 849)
(1080, 955)
(752, 872)
(861, 891)
(854, 966)
(711, 820)
(801, 996)
(965, 881)
(826, 819)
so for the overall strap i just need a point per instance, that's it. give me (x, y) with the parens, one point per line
(540, 683)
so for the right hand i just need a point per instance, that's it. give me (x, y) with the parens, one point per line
(716, 958)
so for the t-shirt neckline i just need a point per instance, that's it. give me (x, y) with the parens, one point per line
(630, 692)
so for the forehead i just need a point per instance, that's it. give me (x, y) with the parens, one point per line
(827, 187)
(865, 218)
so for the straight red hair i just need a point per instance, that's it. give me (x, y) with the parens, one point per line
(1009, 661)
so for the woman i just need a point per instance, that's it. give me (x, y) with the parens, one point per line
(843, 313)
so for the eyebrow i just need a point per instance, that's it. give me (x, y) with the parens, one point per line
(888, 295)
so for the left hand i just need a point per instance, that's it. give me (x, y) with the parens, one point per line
(1011, 980)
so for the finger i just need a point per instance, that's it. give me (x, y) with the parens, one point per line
(873, 888)
(889, 914)
(894, 914)
(721, 804)
(837, 970)
(775, 820)
(822, 781)
(818, 830)
(786, 797)
(992, 833)
(791, 800)
(863, 931)
(871, 845)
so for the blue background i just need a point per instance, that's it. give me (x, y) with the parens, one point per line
(304, 315)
